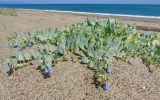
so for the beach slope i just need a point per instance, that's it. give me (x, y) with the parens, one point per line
(71, 80)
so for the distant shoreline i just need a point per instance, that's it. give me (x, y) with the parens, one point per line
(119, 10)
(143, 23)
(90, 13)
(104, 14)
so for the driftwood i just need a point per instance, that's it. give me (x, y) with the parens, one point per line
(146, 28)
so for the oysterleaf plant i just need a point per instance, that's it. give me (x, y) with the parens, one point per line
(97, 42)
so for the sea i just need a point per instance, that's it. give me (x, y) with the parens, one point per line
(141, 10)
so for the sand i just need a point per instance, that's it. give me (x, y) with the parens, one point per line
(72, 80)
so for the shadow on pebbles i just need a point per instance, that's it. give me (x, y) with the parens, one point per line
(73, 81)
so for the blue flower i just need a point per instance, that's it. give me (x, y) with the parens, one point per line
(46, 71)
(9, 69)
(106, 86)
(109, 70)
(19, 47)
(49, 67)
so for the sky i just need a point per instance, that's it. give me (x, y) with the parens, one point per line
(83, 1)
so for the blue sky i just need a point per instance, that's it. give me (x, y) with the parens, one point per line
(84, 1)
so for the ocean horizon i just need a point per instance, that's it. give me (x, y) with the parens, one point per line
(142, 10)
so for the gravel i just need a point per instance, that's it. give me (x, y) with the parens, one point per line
(70, 80)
